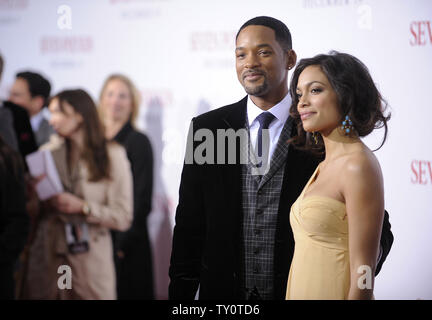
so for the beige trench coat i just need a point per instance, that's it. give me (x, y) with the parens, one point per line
(111, 204)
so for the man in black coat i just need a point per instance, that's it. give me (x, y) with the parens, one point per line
(14, 221)
(31, 92)
(15, 135)
(232, 237)
(15, 126)
(22, 127)
(7, 131)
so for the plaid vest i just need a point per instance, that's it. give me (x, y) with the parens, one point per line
(260, 203)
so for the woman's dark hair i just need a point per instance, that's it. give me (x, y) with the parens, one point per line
(357, 94)
(95, 152)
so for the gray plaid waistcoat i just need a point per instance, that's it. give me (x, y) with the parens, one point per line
(260, 202)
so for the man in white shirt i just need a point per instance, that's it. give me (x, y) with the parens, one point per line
(232, 237)
(280, 112)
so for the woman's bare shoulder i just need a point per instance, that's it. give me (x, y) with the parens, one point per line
(362, 165)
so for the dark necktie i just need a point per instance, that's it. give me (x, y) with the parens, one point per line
(264, 120)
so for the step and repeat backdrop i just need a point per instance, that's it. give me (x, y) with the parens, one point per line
(180, 54)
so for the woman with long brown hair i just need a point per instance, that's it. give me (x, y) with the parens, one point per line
(73, 238)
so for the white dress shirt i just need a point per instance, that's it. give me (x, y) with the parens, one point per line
(281, 113)
(36, 120)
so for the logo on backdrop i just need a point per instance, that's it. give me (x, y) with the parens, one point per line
(364, 17)
(64, 20)
(364, 11)
(66, 44)
(421, 172)
(138, 9)
(11, 11)
(421, 33)
(213, 48)
(212, 41)
(13, 4)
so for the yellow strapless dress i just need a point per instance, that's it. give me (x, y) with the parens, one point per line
(320, 267)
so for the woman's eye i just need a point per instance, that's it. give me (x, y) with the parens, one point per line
(298, 95)
(316, 90)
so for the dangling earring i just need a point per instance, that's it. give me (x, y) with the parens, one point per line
(347, 126)
(315, 137)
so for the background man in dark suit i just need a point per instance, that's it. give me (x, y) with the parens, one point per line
(15, 127)
(232, 236)
(31, 91)
(14, 221)
(7, 131)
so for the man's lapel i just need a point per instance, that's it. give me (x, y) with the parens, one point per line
(234, 119)
(236, 116)
(280, 153)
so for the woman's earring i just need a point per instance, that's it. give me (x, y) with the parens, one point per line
(315, 137)
(347, 126)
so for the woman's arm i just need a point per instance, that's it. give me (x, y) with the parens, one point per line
(364, 197)
(116, 213)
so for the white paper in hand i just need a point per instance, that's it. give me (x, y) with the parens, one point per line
(42, 162)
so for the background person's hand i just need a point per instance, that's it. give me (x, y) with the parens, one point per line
(31, 183)
(67, 203)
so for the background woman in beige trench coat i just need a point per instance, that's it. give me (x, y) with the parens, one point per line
(73, 227)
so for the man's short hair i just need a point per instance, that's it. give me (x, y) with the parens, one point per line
(282, 33)
(38, 85)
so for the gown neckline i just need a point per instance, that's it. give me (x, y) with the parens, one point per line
(311, 180)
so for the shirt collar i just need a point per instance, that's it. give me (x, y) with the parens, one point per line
(279, 110)
(36, 120)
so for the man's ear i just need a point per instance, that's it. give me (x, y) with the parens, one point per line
(38, 103)
(291, 59)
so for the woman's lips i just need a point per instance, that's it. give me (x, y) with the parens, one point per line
(306, 115)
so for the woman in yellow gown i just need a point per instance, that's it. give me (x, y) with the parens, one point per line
(337, 219)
